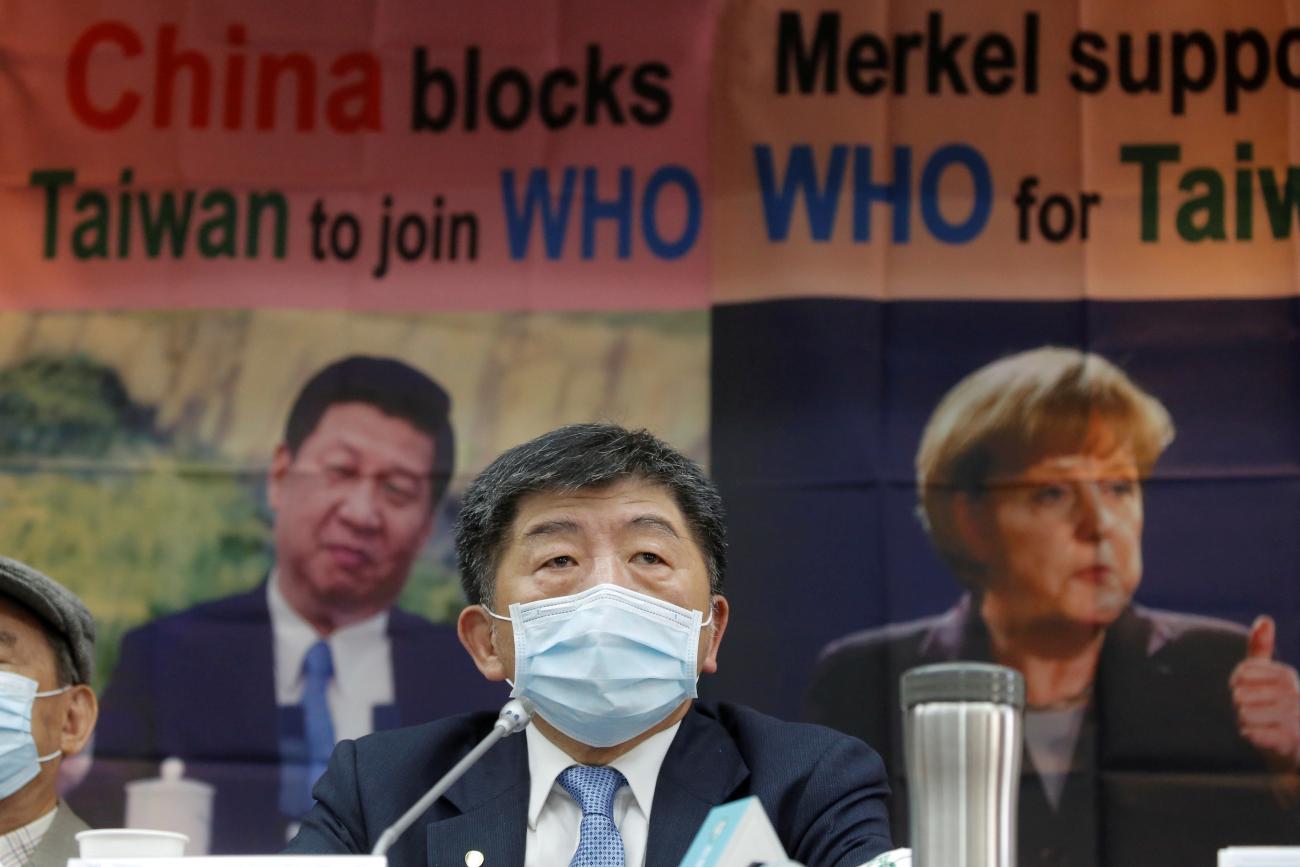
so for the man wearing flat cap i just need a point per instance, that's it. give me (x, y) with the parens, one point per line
(47, 712)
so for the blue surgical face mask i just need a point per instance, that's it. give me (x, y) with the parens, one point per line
(19, 762)
(604, 665)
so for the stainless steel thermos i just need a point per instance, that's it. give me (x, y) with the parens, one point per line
(962, 734)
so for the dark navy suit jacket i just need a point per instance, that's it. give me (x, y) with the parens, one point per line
(1159, 778)
(199, 684)
(824, 792)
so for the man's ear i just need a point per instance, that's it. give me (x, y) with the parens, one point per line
(281, 461)
(474, 629)
(721, 612)
(78, 719)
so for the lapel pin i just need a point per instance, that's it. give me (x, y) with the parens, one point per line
(474, 858)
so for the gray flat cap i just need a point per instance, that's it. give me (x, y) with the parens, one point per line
(57, 606)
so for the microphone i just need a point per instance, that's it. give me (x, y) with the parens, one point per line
(513, 718)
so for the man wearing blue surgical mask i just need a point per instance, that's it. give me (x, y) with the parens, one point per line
(47, 712)
(593, 559)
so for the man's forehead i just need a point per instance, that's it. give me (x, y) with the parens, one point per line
(633, 504)
(367, 431)
(22, 632)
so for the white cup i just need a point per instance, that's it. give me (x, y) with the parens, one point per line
(131, 843)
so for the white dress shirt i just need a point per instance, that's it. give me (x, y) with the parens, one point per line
(554, 818)
(363, 664)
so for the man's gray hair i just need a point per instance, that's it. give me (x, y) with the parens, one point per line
(574, 458)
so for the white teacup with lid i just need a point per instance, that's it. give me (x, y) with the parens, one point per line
(172, 802)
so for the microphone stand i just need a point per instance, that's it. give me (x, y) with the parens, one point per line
(514, 717)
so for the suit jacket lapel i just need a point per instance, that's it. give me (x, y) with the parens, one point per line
(263, 722)
(231, 651)
(702, 769)
(411, 675)
(492, 799)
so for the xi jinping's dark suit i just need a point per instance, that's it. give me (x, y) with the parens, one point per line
(200, 685)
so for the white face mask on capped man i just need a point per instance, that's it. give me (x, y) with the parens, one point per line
(19, 762)
(606, 664)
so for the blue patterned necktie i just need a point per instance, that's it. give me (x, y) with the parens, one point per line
(317, 672)
(599, 843)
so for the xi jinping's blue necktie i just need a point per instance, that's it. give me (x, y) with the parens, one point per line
(599, 843)
(317, 672)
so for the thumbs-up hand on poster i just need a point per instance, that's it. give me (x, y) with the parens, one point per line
(1266, 694)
